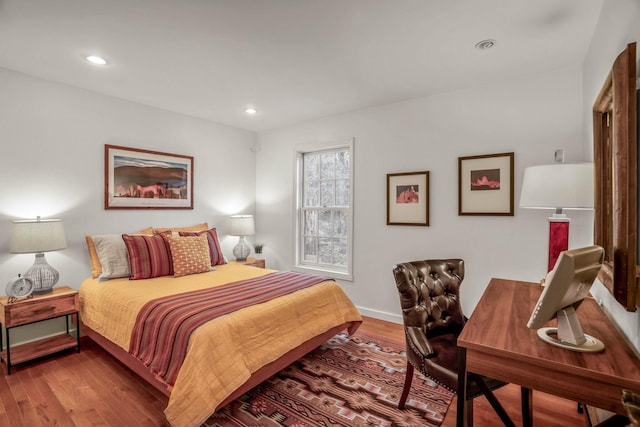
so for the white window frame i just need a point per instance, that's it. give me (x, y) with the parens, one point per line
(343, 273)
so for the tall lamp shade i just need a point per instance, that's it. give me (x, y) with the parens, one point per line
(558, 186)
(241, 225)
(38, 236)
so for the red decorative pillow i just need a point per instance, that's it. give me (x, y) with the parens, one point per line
(217, 257)
(149, 256)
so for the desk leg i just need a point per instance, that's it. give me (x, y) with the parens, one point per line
(461, 411)
(526, 395)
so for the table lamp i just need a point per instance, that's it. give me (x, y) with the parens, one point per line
(558, 186)
(38, 236)
(241, 225)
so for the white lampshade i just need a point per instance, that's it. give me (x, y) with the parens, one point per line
(39, 235)
(241, 225)
(558, 186)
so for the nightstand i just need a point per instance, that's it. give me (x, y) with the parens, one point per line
(254, 262)
(62, 301)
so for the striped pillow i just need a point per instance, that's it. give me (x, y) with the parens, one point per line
(190, 254)
(149, 256)
(217, 258)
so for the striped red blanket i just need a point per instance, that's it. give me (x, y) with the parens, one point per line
(160, 336)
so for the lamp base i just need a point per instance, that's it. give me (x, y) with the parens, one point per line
(241, 251)
(558, 238)
(44, 276)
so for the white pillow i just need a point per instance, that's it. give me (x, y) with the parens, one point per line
(113, 256)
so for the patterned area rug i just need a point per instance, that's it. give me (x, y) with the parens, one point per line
(348, 381)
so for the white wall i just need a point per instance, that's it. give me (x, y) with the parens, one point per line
(52, 138)
(617, 26)
(531, 115)
(52, 164)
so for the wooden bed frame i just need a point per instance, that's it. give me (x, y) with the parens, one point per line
(259, 376)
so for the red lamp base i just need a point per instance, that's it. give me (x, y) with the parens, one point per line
(558, 238)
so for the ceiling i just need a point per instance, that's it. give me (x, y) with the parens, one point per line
(293, 60)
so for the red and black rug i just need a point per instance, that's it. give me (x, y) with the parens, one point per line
(348, 381)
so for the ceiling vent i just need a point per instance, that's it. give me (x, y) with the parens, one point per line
(485, 44)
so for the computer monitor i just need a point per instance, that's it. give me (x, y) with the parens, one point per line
(567, 285)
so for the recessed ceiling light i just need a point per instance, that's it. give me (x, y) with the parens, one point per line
(96, 60)
(250, 110)
(485, 44)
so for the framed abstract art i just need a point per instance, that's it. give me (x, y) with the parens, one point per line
(485, 184)
(144, 179)
(408, 198)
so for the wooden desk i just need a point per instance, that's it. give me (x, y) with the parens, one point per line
(497, 343)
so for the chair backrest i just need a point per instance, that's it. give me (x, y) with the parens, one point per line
(430, 294)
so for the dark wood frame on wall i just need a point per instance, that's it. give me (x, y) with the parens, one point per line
(131, 197)
(414, 213)
(484, 207)
(616, 171)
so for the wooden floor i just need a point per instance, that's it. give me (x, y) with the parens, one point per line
(91, 388)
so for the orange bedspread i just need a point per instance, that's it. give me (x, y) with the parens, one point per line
(164, 325)
(223, 353)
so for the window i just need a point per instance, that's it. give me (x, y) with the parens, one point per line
(324, 231)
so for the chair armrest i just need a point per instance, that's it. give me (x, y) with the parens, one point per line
(419, 342)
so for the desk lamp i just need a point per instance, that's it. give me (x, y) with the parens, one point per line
(241, 225)
(558, 186)
(38, 236)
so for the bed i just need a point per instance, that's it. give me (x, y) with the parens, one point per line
(227, 355)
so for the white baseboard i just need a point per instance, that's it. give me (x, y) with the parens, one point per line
(381, 315)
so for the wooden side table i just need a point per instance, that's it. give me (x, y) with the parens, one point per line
(254, 262)
(62, 301)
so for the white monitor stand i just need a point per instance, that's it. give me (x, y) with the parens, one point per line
(569, 334)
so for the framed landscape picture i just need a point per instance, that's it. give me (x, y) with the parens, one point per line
(485, 184)
(143, 179)
(408, 198)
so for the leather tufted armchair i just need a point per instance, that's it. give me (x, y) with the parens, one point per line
(430, 300)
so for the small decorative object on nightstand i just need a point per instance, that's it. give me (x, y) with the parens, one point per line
(19, 288)
(62, 301)
(257, 247)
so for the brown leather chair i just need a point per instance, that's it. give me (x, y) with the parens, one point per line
(430, 299)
